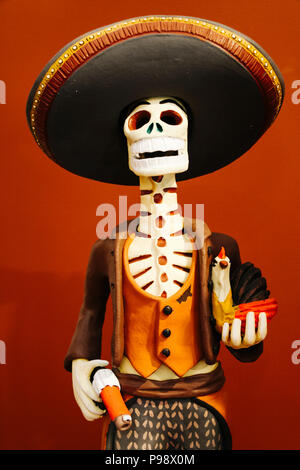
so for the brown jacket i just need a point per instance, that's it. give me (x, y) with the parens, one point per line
(104, 277)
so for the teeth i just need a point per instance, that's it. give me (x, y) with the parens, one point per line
(154, 166)
(162, 144)
(153, 163)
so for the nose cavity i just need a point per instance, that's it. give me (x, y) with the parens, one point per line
(150, 128)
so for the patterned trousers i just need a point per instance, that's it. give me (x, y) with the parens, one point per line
(167, 424)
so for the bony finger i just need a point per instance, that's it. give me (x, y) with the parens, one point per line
(90, 415)
(235, 335)
(262, 328)
(225, 332)
(97, 363)
(250, 336)
(81, 372)
(90, 406)
(83, 383)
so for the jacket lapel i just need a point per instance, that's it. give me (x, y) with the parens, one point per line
(117, 301)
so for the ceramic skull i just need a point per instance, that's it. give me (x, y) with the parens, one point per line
(156, 132)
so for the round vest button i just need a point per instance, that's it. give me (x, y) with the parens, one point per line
(166, 332)
(166, 352)
(167, 310)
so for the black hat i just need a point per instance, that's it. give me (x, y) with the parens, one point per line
(231, 88)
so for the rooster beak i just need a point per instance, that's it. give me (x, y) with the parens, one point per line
(223, 264)
(222, 254)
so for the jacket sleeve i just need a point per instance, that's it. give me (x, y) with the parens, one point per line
(86, 340)
(232, 250)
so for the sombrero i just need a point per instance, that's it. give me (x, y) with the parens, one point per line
(231, 88)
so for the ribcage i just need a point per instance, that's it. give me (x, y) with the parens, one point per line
(160, 267)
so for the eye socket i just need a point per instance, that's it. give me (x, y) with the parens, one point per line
(171, 117)
(138, 120)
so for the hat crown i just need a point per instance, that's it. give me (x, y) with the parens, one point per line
(231, 88)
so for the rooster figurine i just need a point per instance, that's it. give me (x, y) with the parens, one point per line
(225, 310)
(222, 302)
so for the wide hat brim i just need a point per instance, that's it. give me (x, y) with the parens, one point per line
(231, 88)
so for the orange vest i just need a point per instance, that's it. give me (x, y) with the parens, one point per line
(161, 330)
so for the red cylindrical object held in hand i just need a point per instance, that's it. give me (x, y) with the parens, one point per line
(113, 401)
(268, 306)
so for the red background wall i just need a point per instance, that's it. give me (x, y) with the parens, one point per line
(49, 220)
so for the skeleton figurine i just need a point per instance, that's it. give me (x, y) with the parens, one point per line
(157, 139)
(158, 268)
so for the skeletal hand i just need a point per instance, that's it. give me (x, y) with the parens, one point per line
(84, 392)
(233, 338)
